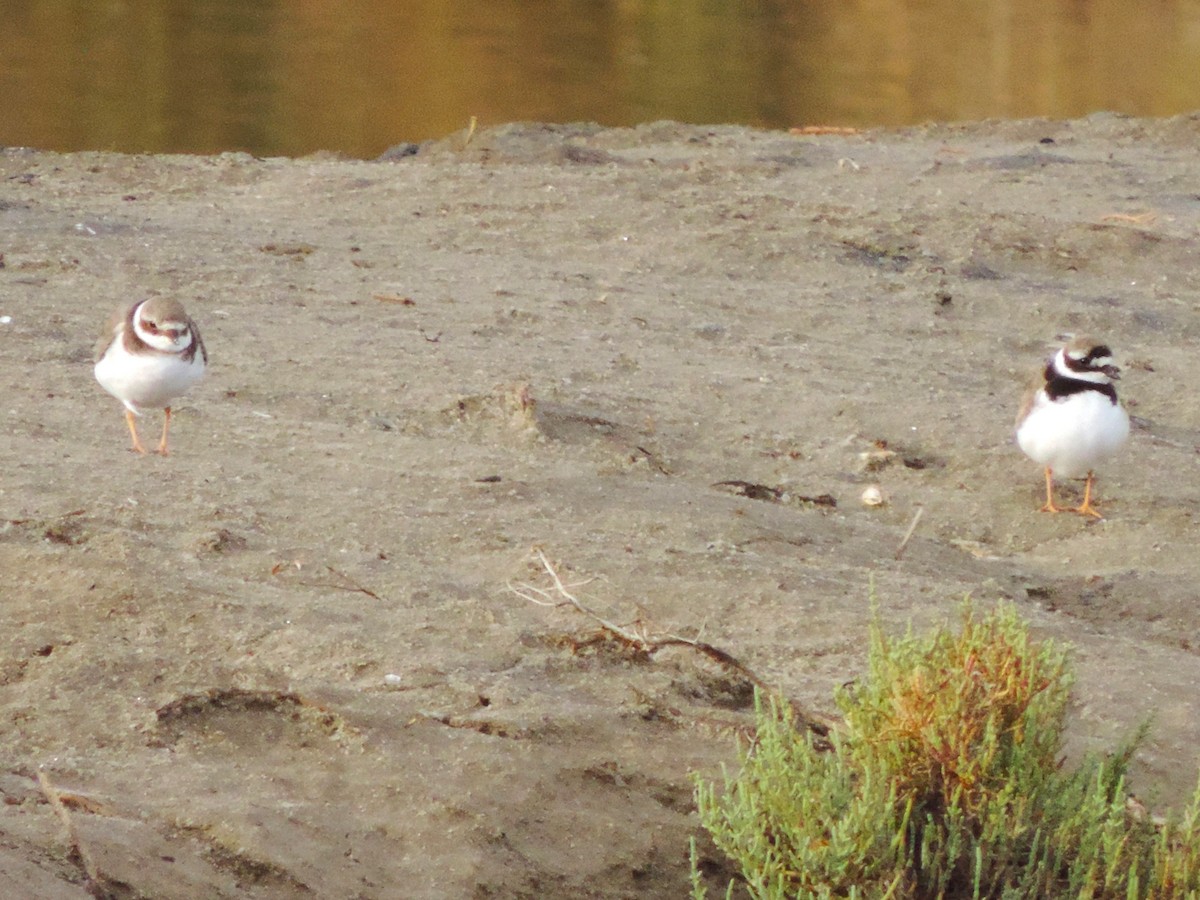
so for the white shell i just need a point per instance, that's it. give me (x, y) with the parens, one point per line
(873, 496)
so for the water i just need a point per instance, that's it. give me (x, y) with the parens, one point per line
(294, 76)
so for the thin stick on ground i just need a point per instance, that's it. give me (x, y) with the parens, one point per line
(908, 534)
(471, 126)
(54, 798)
(559, 594)
(351, 585)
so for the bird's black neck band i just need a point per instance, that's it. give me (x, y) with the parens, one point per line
(1058, 386)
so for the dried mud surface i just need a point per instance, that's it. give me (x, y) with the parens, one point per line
(284, 661)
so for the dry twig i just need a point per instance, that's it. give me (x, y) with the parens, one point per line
(351, 585)
(471, 126)
(55, 798)
(559, 594)
(1142, 218)
(908, 534)
(66, 515)
(823, 130)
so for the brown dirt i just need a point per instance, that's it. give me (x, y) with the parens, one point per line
(283, 661)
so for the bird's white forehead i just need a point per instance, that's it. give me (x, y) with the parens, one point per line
(1081, 353)
(165, 323)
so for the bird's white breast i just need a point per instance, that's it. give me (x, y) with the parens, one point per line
(146, 380)
(1073, 434)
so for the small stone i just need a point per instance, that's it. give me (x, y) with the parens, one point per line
(873, 496)
(874, 460)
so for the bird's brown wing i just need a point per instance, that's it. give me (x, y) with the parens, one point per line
(1035, 382)
(111, 329)
(197, 342)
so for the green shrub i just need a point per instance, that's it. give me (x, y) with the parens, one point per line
(945, 781)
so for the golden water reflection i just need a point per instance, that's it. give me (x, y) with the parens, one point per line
(292, 76)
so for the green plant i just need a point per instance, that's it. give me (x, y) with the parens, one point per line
(945, 781)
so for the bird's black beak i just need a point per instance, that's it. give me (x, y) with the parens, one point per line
(1112, 372)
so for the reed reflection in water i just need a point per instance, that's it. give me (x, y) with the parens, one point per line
(359, 75)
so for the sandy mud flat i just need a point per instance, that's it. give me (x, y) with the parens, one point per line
(286, 661)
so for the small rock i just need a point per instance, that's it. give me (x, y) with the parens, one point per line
(873, 496)
(874, 460)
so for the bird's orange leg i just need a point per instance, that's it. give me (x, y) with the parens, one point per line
(162, 445)
(131, 420)
(1085, 508)
(1050, 507)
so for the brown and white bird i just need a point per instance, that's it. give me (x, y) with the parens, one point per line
(150, 354)
(1071, 420)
